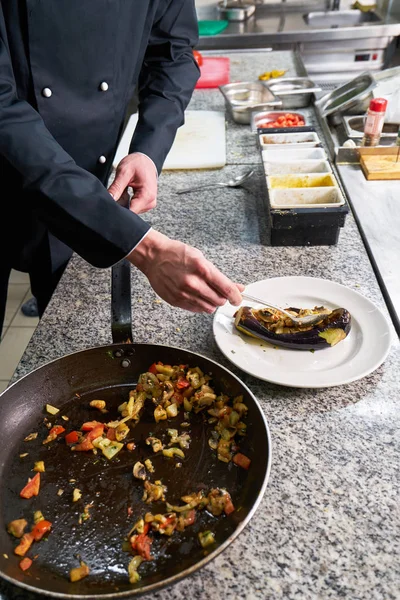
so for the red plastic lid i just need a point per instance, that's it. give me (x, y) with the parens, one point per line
(378, 104)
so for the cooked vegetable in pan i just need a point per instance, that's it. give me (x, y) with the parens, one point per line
(174, 397)
(273, 326)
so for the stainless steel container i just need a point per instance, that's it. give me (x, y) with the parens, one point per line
(236, 10)
(261, 118)
(295, 92)
(244, 98)
(352, 97)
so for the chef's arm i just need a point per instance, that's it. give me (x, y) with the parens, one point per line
(71, 202)
(167, 79)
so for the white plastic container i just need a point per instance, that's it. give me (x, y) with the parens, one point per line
(326, 197)
(296, 166)
(284, 140)
(300, 181)
(279, 154)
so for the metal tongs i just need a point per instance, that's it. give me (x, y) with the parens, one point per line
(307, 320)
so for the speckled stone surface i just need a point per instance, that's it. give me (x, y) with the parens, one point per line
(329, 523)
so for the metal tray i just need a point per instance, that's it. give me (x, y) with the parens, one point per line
(295, 92)
(258, 119)
(354, 94)
(354, 126)
(245, 97)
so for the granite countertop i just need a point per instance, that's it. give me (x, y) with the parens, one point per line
(328, 525)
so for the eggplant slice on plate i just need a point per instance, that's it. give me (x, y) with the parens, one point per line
(276, 328)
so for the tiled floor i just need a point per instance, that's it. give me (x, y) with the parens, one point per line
(17, 330)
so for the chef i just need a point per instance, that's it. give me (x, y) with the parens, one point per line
(68, 69)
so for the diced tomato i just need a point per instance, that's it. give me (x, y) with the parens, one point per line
(241, 460)
(83, 446)
(228, 508)
(96, 432)
(56, 430)
(141, 544)
(89, 425)
(131, 446)
(25, 563)
(189, 517)
(72, 437)
(152, 369)
(146, 528)
(198, 57)
(182, 383)
(24, 545)
(31, 488)
(167, 521)
(40, 529)
(111, 434)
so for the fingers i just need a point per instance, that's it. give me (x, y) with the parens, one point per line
(224, 286)
(122, 179)
(142, 201)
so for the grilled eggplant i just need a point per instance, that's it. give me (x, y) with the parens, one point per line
(276, 328)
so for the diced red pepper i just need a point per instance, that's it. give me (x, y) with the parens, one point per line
(228, 508)
(89, 425)
(96, 432)
(72, 437)
(83, 446)
(24, 545)
(167, 521)
(141, 544)
(40, 529)
(111, 434)
(56, 430)
(182, 383)
(31, 488)
(153, 369)
(189, 518)
(25, 563)
(241, 460)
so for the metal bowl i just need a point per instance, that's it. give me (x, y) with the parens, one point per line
(236, 10)
(295, 92)
(244, 98)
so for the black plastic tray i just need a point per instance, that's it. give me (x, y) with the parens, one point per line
(302, 226)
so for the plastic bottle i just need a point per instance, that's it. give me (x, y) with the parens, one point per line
(374, 122)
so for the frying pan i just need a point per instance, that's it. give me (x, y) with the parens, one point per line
(109, 372)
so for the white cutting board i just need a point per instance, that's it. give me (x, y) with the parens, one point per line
(199, 143)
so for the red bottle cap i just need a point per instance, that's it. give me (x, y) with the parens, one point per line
(378, 104)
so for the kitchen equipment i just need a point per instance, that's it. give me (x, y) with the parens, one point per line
(347, 98)
(295, 92)
(299, 216)
(199, 143)
(245, 97)
(235, 182)
(236, 10)
(364, 349)
(354, 126)
(260, 119)
(109, 372)
(214, 71)
(308, 320)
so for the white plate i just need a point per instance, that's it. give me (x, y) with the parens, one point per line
(363, 350)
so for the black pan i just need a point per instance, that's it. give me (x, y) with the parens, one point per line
(109, 372)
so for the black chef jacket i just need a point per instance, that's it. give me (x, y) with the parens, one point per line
(68, 69)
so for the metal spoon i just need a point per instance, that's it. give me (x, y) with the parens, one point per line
(308, 320)
(235, 182)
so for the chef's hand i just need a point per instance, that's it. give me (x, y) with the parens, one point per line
(138, 172)
(182, 276)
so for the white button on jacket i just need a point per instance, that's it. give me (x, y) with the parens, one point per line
(46, 92)
(102, 159)
(104, 86)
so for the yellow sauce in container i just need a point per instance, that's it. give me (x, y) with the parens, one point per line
(301, 181)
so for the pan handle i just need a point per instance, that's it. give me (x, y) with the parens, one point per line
(121, 308)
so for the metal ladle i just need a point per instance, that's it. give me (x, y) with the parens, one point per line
(235, 182)
(307, 320)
